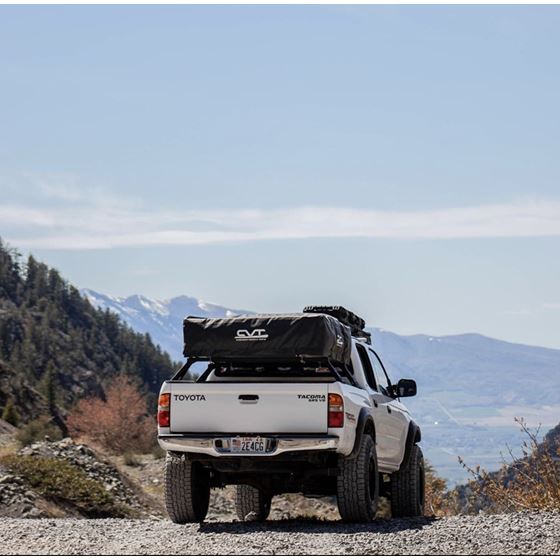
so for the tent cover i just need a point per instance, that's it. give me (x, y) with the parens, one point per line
(250, 338)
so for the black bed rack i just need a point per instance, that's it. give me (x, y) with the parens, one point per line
(340, 372)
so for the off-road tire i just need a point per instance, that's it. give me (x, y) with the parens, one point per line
(407, 487)
(187, 489)
(357, 485)
(251, 504)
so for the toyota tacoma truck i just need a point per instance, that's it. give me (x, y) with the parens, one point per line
(287, 403)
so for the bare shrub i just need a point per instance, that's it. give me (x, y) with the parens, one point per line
(38, 429)
(528, 482)
(119, 423)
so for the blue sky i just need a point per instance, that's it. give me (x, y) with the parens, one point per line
(399, 160)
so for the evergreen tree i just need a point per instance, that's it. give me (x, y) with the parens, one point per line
(10, 414)
(49, 386)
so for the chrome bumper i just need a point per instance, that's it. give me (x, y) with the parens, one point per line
(209, 445)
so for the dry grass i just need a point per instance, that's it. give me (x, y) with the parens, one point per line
(439, 501)
(529, 482)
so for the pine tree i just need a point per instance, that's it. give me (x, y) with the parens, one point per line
(10, 413)
(49, 386)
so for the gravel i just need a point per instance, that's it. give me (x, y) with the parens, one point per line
(520, 533)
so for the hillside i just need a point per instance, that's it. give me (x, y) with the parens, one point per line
(470, 386)
(55, 347)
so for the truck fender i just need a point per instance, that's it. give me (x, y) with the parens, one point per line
(365, 425)
(414, 436)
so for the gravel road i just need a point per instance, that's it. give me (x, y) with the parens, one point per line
(523, 533)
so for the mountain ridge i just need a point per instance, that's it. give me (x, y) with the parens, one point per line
(205, 308)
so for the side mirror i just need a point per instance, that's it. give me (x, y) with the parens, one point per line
(406, 388)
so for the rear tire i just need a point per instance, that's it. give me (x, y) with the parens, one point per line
(187, 489)
(358, 484)
(407, 487)
(251, 503)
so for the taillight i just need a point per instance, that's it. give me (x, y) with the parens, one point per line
(336, 411)
(163, 410)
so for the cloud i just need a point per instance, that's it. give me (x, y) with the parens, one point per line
(95, 219)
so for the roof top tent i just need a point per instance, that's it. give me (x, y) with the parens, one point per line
(267, 338)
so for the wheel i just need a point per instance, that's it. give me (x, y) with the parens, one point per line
(407, 487)
(187, 489)
(357, 485)
(251, 504)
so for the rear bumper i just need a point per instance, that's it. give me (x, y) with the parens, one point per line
(212, 446)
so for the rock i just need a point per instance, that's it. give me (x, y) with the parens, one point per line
(86, 459)
(33, 513)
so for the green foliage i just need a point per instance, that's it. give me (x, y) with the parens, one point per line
(49, 386)
(58, 480)
(10, 413)
(53, 338)
(37, 429)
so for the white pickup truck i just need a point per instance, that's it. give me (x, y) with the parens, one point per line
(288, 403)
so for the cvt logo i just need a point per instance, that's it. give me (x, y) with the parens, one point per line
(243, 335)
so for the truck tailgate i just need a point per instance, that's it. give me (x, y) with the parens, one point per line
(237, 408)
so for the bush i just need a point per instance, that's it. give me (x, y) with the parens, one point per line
(131, 460)
(529, 482)
(438, 501)
(119, 423)
(37, 429)
(10, 413)
(59, 481)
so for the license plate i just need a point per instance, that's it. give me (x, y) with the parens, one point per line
(248, 445)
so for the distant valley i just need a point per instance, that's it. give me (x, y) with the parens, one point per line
(470, 386)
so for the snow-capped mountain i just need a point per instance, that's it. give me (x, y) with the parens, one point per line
(162, 319)
(469, 386)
